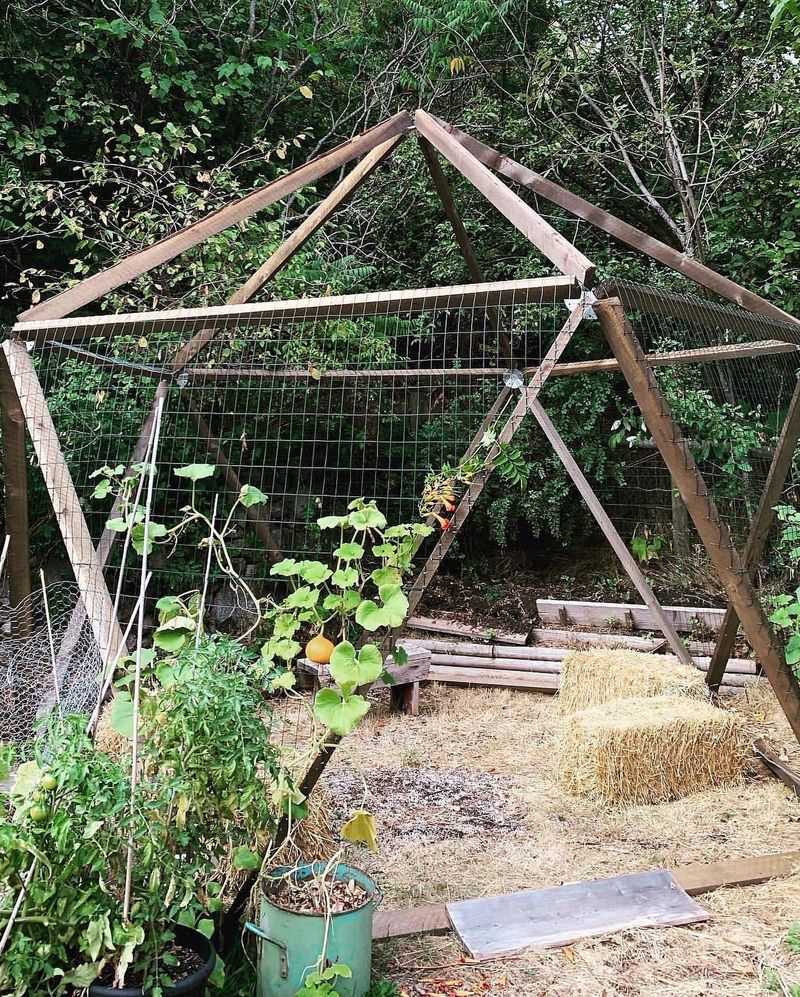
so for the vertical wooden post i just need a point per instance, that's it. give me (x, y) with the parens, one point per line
(609, 530)
(700, 505)
(67, 507)
(16, 487)
(759, 531)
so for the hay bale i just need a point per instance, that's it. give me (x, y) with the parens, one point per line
(107, 740)
(589, 678)
(650, 750)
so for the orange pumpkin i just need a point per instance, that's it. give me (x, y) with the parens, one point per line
(319, 649)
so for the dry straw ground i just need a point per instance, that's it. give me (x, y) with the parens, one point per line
(469, 802)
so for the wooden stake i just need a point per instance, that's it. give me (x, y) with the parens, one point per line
(712, 531)
(759, 531)
(51, 642)
(201, 612)
(609, 530)
(547, 240)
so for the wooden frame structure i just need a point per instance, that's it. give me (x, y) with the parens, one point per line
(483, 167)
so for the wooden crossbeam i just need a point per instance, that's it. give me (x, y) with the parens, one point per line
(471, 495)
(541, 290)
(618, 545)
(66, 504)
(606, 222)
(138, 263)
(759, 531)
(547, 240)
(714, 534)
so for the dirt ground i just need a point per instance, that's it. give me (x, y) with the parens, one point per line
(468, 805)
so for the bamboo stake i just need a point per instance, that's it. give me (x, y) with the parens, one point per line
(207, 573)
(137, 680)
(4, 553)
(50, 638)
(12, 917)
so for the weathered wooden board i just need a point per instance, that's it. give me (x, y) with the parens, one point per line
(505, 678)
(416, 669)
(633, 616)
(549, 918)
(779, 769)
(442, 625)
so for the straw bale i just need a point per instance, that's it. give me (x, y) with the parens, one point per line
(589, 678)
(107, 739)
(650, 750)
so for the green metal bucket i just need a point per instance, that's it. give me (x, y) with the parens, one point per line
(290, 943)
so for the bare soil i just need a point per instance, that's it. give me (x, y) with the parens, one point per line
(433, 780)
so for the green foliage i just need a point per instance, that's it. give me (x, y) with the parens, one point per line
(786, 606)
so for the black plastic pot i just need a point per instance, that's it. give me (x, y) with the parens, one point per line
(191, 986)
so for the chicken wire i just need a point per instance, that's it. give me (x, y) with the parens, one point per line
(27, 686)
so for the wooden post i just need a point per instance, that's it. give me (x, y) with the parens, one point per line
(67, 507)
(759, 531)
(429, 570)
(702, 509)
(16, 489)
(547, 240)
(609, 530)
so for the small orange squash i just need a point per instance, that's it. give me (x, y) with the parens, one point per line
(319, 649)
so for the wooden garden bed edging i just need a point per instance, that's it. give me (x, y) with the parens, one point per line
(634, 617)
(442, 625)
(695, 879)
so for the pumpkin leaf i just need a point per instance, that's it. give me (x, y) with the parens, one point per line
(195, 472)
(339, 714)
(361, 830)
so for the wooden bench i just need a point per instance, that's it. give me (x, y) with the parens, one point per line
(404, 688)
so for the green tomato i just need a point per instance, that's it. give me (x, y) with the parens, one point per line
(49, 782)
(38, 814)
(43, 950)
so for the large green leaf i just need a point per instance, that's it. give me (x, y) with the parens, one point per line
(331, 522)
(793, 650)
(122, 714)
(285, 568)
(27, 780)
(172, 635)
(155, 531)
(168, 607)
(250, 496)
(349, 552)
(371, 616)
(368, 518)
(395, 604)
(344, 666)
(315, 572)
(345, 578)
(340, 715)
(303, 598)
(361, 830)
(195, 472)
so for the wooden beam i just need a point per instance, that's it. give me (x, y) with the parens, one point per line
(327, 207)
(442, 188)
(232, 214)
(701, 507)
(232, 480)
(66, 504)
(655, 301)
(778, 768)
(606, 222)
(635, 617)
(547, 240)
(15, 467)
(759, 531)
(542, 290)
(696, 879)
(503, 677)
(618, 545)
(471, 495)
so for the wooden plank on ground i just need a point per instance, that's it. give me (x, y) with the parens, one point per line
(501, 677)
(490, 927)
(231, 214)
(442, 625)
(696, 879)
(541, 233)
(779, 769)
(632, 616)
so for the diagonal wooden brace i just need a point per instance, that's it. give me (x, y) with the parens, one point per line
(478, 483)
(759, 531)
(714, 534)
(609, 530)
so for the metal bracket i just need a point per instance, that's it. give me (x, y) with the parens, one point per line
(283, 952)
(587, 299)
